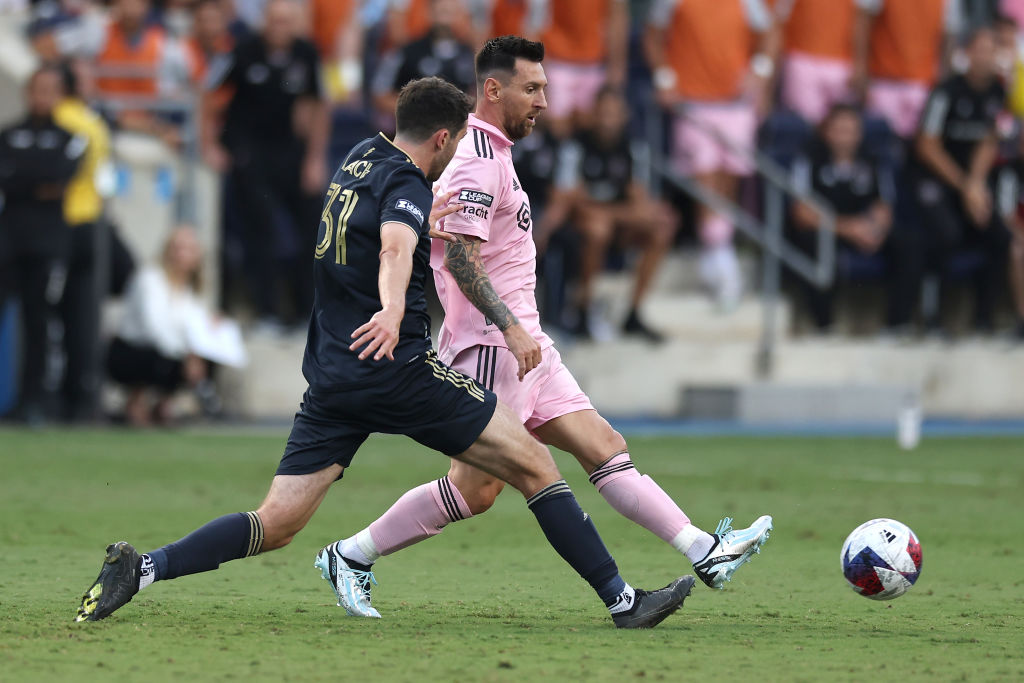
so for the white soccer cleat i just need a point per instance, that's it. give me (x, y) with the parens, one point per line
(351, 586)
(732, 549)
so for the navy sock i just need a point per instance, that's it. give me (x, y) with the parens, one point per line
(226, 538)
(571, 533)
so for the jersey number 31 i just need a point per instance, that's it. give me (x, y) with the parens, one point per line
(348, 204)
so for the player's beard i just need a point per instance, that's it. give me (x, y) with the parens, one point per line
(518, 128)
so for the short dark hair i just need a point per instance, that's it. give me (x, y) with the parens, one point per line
(427, 105)
(609, 90)
(501, 53)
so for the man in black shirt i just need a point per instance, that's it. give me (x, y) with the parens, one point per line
(438, 53)
(956, 149)
(861, 192)
(371, 262)
(37, 160)
(601, 190)
(273, 140)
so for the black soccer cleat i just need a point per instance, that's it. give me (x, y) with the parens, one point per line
(116, 585)
(651, 607)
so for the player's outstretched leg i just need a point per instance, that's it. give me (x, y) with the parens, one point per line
(292, 500)
(589, 437)
(507, 451)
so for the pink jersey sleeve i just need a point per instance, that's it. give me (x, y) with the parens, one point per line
(478, 182)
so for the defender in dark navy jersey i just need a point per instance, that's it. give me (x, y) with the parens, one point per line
(371, 368)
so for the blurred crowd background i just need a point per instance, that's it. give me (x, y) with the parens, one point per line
(893, 125)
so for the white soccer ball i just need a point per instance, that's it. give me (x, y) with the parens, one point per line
(881, 559)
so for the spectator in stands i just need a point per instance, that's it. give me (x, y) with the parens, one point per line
(818, 48)
(438, 53)
(586, 45)
(273, 140)
(536, 162)
(209, 39)
(700, 51)
(83, 211)
(38, 158)
(66, 29)
(409, 20)
(338, 32)
(602, 190)
(900, 47)
(516, 18)
(152, 352)
(861, 192)
(137, 58)
(956, 149)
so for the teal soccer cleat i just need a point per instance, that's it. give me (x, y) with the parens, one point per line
(351, 586)
(732, 549)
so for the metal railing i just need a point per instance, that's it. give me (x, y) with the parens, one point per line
(766, 232)
(187, 108)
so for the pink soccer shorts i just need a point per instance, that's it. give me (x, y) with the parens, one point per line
(546, 392)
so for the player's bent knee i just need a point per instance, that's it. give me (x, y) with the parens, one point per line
(278, 529)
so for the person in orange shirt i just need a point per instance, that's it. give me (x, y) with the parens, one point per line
(899, 49)
(818, 54)
(138, 59)
(713, 64)
(339, 30)
(210, 38)
(516, 18)
(586, 43)
(408, 20)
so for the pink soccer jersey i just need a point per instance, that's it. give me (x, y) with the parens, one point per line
(497, 211)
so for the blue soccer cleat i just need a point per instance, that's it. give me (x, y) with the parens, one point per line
(351, 586)
(732, 549)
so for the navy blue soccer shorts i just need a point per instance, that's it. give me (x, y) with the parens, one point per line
(425, 400)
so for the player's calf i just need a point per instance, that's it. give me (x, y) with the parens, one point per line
(478, 489)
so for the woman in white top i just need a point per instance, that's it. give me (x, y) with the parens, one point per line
(151, 352)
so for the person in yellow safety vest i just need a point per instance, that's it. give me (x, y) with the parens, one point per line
(83, 210)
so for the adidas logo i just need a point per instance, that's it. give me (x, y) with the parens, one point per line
(889, 536)
(515, 185)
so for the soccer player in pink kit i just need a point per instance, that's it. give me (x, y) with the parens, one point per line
(485, 278)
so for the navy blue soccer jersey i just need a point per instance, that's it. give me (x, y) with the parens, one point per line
(377, 183)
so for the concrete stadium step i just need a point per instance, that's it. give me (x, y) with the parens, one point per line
(627, 378)
(965, 380)
(688, 317)
(679, 272)
(695, 317)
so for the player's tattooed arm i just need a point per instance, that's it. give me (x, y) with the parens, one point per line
(462, 257)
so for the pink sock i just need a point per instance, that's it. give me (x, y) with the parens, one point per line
(640, 499)
(715, 230)
(419, 514)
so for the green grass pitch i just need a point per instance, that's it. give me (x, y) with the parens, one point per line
(488, 600)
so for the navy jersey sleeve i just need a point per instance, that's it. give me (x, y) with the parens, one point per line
(407, 199)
